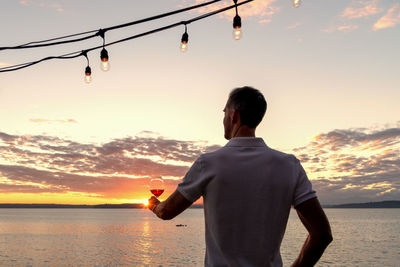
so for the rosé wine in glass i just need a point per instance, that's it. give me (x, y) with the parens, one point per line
(157, 186)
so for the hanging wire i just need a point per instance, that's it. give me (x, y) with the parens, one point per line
(80, 53)
(44, 43)
(27, 45)
(235, 2)
(84, 53)
(28, 64)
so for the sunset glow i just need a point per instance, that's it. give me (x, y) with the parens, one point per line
(329, 73)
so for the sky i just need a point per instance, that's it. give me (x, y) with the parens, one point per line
(329, 71)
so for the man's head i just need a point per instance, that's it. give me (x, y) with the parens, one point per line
(245, 108)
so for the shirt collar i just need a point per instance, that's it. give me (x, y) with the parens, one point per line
(246, 142)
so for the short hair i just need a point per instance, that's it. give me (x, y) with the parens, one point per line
(250, 103)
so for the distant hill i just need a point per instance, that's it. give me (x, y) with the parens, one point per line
(63, 206)
(369, 205)
(66, 206)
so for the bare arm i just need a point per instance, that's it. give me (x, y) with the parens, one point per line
(319, 232)
(168, 209)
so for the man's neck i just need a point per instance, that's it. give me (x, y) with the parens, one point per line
(244, 131)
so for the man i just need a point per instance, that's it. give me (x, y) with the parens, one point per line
(248, 190)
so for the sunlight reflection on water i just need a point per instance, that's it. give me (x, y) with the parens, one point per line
(104, 237)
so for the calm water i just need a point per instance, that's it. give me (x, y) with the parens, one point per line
(110, 237)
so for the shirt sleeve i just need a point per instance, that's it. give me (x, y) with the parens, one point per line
(303, 190)
(192, 185)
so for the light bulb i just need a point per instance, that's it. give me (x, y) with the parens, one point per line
(237, 33)
(183, 47)
(184, 41)
(88, 78)
(237, 28)
(88, 75)
(104, 64)
(296, 3)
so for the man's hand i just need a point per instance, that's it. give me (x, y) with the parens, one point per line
(153, 202)
(168, 209)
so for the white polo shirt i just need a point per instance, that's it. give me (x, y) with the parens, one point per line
(248, 190)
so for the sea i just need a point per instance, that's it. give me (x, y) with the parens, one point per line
(135, 237)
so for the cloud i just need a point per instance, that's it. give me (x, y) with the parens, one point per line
(39, 120)
(354, 164)
(25, 2)
(264, 21)
(294, 26)
(342, 28)
(356, 10)
(390, 19)
(261, 9)
(60, 182)
(6, 137)
(347, 28)
(49, 4)
(345, 165)
(360, 9)
(48, 164)
(329, 29)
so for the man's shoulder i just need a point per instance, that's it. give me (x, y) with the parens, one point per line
(213, 154)
(283, 155)
(267, 151)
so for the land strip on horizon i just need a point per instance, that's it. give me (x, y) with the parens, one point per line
(369, 205)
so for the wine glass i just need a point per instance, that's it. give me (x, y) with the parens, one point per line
(157, 186)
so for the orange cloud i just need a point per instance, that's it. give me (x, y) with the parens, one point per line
(261, 9)
(51, 4)
(343, 28)
(347, 28)
(345, 165)
(359, 9)
(25, 2)
(330, 29)
(39, 120)
(264, 21)
(390, 19)
(118, 170)
(293, 26)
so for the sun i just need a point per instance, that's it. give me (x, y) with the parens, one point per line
(145, 202)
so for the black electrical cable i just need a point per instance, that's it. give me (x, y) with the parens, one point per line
(82, 53)
(28, 64)
(44, 43)
(173, 25)
(28, 45)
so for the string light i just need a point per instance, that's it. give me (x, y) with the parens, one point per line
(237, 24)
(296, 3)
(184, 40)
(104, 53)
(94, 33)
(104, 63)
(88, 75)
(88, 70)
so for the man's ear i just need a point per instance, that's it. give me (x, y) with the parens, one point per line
(235, 117)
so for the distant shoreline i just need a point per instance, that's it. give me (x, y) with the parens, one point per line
(394, 204)
(68, 206)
